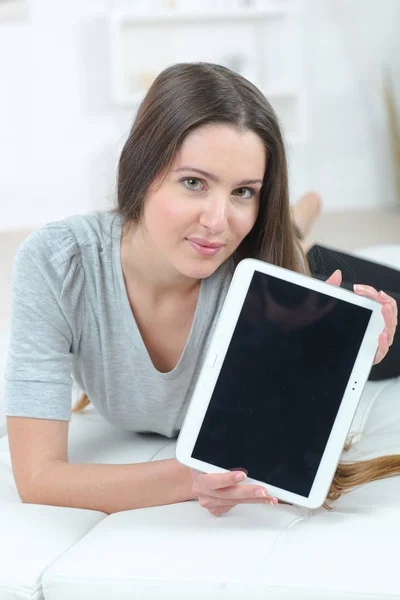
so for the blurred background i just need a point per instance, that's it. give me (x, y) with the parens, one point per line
(72, 75)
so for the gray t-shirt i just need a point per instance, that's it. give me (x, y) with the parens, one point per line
(71, 321)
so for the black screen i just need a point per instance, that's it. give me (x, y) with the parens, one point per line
(281, 383)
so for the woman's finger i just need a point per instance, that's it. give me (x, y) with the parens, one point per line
(239, 492)
(390, 324)
(210, 502)
(390, 314)
(335, 278)
(385, 298)
(204, 483)
(382, 349)
(217, 512)
(389, 309)
(366, 290)
(224, 508)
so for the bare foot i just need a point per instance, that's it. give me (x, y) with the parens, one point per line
(305, 211)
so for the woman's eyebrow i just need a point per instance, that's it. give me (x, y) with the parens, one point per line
(215, 178)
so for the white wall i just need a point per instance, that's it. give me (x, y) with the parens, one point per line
(60, 133)
(347, 154)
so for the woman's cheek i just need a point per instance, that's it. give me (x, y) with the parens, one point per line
(178, 210)
(163, 208)
(246, 220)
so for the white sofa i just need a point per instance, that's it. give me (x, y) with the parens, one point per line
(182, 552)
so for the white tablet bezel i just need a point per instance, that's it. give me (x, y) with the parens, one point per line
(215, 357)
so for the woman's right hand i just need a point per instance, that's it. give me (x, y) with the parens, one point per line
(220, 492)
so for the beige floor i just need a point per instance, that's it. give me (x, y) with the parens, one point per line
(344, 231)
(352, 230)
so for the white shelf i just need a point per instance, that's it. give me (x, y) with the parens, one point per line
(126, 16)
(142, 45)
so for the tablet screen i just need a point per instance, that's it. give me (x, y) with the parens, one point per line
(281, 383)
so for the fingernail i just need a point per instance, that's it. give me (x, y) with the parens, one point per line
(261, 494)
(240, 469)
(359, 288)
(384, 296)
(240, 477)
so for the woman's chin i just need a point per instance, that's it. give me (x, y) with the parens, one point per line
(200, 271)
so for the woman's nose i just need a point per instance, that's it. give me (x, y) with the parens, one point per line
(214, 214)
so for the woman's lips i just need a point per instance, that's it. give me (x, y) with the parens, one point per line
(203, 248)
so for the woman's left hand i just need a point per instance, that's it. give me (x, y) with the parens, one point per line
(389, 313)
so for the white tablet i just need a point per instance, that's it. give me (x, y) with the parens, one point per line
(281, 382)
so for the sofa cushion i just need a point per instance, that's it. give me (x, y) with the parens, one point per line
(352, 552)
(284, 552)
(176, 551)
(32, 538)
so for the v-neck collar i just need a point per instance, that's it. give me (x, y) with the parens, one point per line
(122, 300)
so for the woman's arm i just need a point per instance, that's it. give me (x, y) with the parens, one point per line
(112, 488)
(44, 476)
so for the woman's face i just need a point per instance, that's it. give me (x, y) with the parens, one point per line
(208, 202)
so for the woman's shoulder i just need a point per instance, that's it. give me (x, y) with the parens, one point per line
(58, 244)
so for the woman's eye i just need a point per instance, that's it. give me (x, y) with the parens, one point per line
(192, 183)
(250, 191)
(196, 184)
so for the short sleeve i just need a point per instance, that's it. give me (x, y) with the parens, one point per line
(38, 380)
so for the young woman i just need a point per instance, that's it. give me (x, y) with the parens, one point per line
(127, 300)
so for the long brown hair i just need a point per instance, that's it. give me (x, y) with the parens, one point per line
(182, 98)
